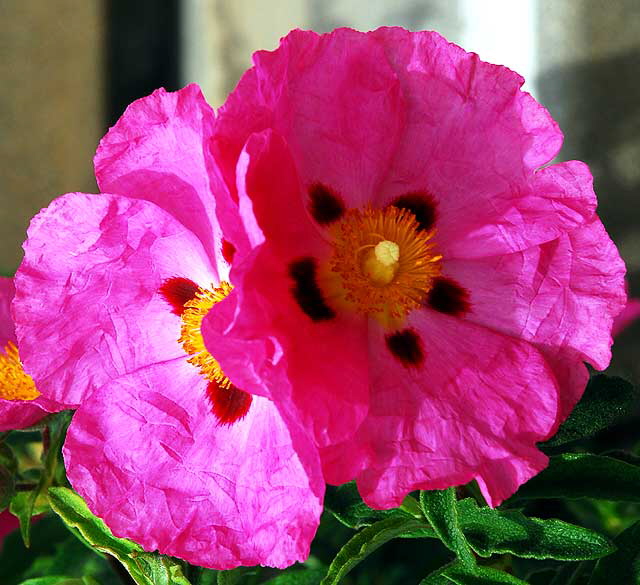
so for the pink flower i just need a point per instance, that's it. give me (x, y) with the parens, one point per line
(8, 523)
(408, 272)
(108, 307)
(21, 405)
(629, 314)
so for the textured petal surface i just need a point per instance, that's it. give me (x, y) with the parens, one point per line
(629, 314)
(156, 152)
(474, 408)
(265, 335)
(522, 240)
(17, 414)
(87, 307)
(150, 459)
(379, 115)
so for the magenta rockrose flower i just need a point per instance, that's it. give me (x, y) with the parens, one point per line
(110, 297)
(21, 404)
(430, 286)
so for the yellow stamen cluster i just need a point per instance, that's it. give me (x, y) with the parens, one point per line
(385, 261)
(191, 334)
(15, 384)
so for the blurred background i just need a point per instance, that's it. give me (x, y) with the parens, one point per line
(70, 67)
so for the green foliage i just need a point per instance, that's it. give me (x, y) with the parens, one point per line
(30, 503)
(60, 581)
(498, 532)
(53, 551)
(298, 577)
(345, 504)
(145, 568)
(8, 468)
(439, 507)
(605, 400)
(460, 574)
(582, 475)
(623, 566)
(365, 542)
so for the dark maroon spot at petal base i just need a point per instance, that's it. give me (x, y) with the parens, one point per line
(306, 291)
(422, 205)
(229, 405)
(447, 296)
(324, 205)
(407, 347)
(228, 251)
(177, 291)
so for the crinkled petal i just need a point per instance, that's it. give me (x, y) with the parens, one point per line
(335, 100)
(150, 458)
(156, 151)
(259, 334)
(17, 414)
(7, 330)
(563, 294)
(87, 306)
(474, 408)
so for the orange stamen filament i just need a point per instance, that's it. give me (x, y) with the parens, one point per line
(15, 383)
(385, 262)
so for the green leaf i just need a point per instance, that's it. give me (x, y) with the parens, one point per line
(60, 581)
(439, 507)
(582, 475)
(511, 532)
(480, 576)
(365, 542)
(345, 504)
(145, 568)
(24, 505)
(623, 566)
(460, 574)
(7, 476)
(298, 577)
(606, 399)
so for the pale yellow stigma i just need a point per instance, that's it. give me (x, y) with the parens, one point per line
(385, 262)
(15, 383)
(191, 334)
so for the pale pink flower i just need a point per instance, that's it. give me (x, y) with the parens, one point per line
(408, 271)
(108, 308)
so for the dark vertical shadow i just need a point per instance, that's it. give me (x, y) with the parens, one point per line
(142, 51)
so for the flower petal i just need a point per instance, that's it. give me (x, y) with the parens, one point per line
(87, 306)
(261, 333)
(474, 408)
(156, 151)
(328, 96)
(149, 457)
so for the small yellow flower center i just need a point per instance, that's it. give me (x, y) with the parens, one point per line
(191, 335)
(385, 262)
(15, 383)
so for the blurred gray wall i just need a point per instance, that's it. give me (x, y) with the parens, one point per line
(50, 108)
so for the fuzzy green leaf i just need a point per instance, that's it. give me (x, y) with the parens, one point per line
(56, 580)
(460, 574)
(606, 399)
(298, 577)
(439, 507)
(582, 475)
(145, 568)
(500, 532)
(345, 504)
(623, 566)
(365, 542)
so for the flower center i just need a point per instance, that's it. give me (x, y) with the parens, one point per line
(191, 335)
(385, 262)
(15, 384)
